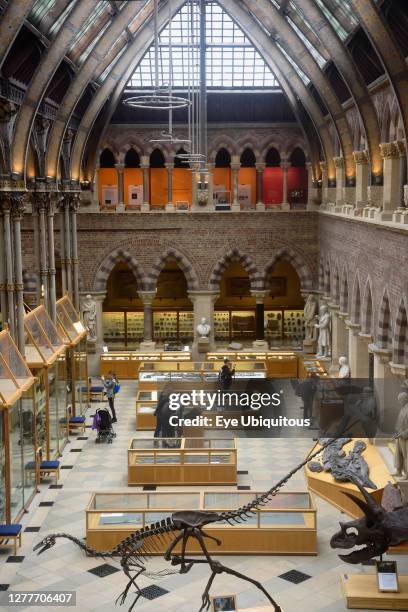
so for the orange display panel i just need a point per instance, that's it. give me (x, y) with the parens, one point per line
(247, 176)
(182, 185)
(222, 176)
(131, 176)
(158, 186)
(106, 176)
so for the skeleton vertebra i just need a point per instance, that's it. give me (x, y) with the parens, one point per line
(380, 527)
(189, 524)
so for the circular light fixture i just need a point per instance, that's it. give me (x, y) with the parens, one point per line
(158, 102)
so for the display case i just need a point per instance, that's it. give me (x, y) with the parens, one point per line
(222, 330)
(17, 432)
(126, 364)
(310, 365)
(284, 525)
(154, 372)
(284, 324)
(279, 364)
(146, 402)
(244, 370)
(123, 328)
(182, 461)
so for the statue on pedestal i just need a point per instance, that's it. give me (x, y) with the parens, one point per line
(89, 317)
(344, 370)
(324, 326)
(401, 438)
(309, 315)
(203, 329)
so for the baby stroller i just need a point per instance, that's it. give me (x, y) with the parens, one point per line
(103, 426)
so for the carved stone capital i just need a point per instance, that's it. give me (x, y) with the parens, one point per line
(7, 111)
(360, 157)
(285, 165)
(74, 202)
(260, 166)
(401, 148)
(147, 297)
(13, 202)
(389, 150)
(120, 168)
(339, 162)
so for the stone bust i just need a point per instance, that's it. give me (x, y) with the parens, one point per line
(203, 328)
(344, 370)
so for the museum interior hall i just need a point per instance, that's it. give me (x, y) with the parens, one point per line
(204, 305)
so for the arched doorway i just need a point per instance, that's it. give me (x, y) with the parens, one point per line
(284, 305)
(122, 309)
(107, 180)
(272, 178)
(247, 179)
(222, 179)
(234, 311)
(173, 317)
(132, 180)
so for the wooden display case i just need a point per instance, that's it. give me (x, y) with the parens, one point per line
(286, 525)
(324, 485)
(279, 364)
(182, 461)
(146, 402)
(310, 365)
(361, 593)
(126, 364)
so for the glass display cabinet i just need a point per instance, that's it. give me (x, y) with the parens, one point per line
(44, 347)
(310, 365)
(284, 324)
(285, 525)
(154, 372)
(146, 402)
(279, 364)
(178, 461)
(17, 432)
(126, 363)
(244, 370)
(74, 336)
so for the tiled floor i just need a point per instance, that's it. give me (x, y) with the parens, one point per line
(104, 467)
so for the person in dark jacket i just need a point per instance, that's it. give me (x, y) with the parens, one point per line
(225, 374)
(110, 383)
(162, 415)
(307, 391)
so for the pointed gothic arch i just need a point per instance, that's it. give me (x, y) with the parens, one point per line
(335, 285)
(367, 310)
(344, 292)
(182, 262)
(384, 325)
(106, 267)
(303, 272)
(400, 340)
(246, 262)
(355, 313)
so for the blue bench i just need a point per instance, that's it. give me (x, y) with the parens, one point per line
(11, 532)
(45, 468)
(74, 422)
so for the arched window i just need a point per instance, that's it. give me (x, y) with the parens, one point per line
(107, 159)
(132, 159)
(223, 159)
(272, 158)
(297, 158)
(248, 158)
(157, 159)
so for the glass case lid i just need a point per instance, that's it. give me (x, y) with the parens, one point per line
(15, 377)
(69, 321)
(43, 342)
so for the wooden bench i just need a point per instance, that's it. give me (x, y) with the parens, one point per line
(11, 532)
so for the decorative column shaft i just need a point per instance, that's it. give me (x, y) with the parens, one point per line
(285, 165)
(67, 228)
(260, 296)
(147, 298)
(194, 187)
(3, 279)
(391, 189)
(41, 201)
(309, 170)
(9, 266)
(62, 244)
(170, 168)
(340, 180)
(74, 205)
(96, 185)
(210, 202)
(51, 259)
(235, 166)
(17, 215)
(260, 167)
(361, 161)
(325, 181)
(120, 169)
(145, 165)
(36, 237)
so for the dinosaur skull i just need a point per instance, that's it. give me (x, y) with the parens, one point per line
(45, 544)
(360, 532)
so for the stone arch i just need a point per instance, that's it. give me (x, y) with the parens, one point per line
(183, 263)
(344, 292)
(107, 158)
(384, 325)
(110, 262)
(222, 141)
(321, 275)
(327, 284)
(367, 311)
(400, 340)
(355, 306)
(335, 285)
(303, 272)
(246, 262)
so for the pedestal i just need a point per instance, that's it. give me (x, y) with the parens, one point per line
(361, 592)
(203, 345)
(260, 345)
(147, 346)
(309, 346)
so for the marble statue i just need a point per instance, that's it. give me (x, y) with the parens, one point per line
(344, 371)
(309, 314)
(324, 326)
(401, 438)
(89, 317)
(203, 328)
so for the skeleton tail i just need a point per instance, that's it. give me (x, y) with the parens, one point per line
(245, 511)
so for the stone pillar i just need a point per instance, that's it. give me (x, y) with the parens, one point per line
(147, 297)
(203, 302)
(210, 203)
(3, 279)
(96, 186)
(260, 343)
(36, 240)
(62, 244)
(194, 187)
(391, 189)
(67, 241)
(98, 297)
(18, 206)
(361, 161)
(42, 205)
(51, 261)
(260, 204)
(285, 165)
(73, 207)
(170, 204)
(9, 265)
(235, 166)
(309, 202)
(325, 182)
(401, 213)
(121, 190)
(339, 338)
(340, 180)
(145, 165)
(382, 386)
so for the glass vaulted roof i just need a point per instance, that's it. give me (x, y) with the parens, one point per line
(231, 59)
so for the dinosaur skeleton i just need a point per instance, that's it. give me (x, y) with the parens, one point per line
(380, 527)
(189, 524)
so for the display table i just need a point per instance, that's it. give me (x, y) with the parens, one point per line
(182, 461)
(126, 364)
(361, 592)
(286, 525)
(324, 485)
(310, 365)
(279, 364)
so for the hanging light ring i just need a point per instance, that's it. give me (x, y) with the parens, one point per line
(157, 102)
